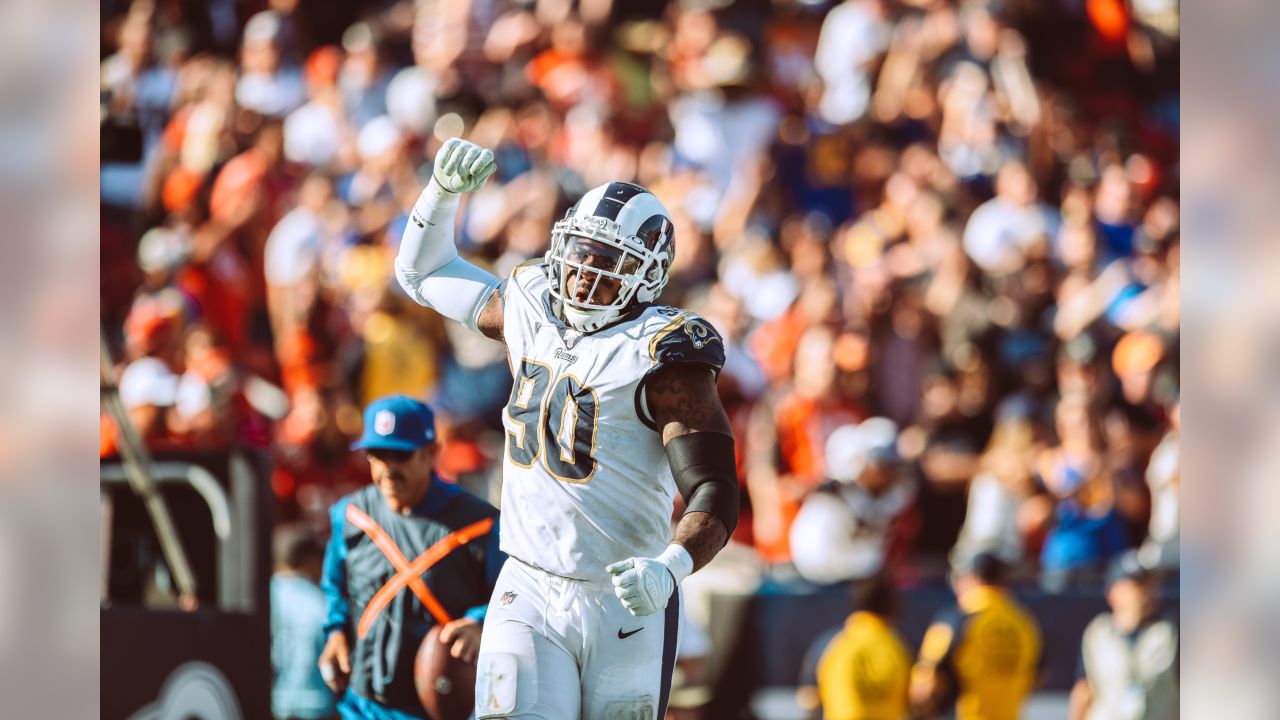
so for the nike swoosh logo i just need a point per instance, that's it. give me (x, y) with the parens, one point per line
(624, 636)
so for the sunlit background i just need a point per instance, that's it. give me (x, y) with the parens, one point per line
(946, 233)
(962, 217)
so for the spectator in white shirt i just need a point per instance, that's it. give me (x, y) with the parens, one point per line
(846, 527)
(1003, 229)
(854, 34)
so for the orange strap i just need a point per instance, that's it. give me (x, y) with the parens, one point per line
(407, 573)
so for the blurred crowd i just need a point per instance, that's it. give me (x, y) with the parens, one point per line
(940, 239)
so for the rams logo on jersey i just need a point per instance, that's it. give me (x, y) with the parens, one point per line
(700, 333)
(688, 338)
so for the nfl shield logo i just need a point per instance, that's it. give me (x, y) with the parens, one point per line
(508, 597)
(384, 422)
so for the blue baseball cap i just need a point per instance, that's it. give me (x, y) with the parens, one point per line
(397, 422)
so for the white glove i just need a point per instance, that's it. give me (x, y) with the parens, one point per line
(462, 166)
(645, 584)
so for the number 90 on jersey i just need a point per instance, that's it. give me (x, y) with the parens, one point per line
(554, 421)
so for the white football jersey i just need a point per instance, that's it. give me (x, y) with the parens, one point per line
(585, 479)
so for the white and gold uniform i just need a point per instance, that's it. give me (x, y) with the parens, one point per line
(585, 484)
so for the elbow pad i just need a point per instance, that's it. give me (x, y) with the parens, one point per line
(706, 474)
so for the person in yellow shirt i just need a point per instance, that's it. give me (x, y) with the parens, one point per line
(983, 653)
(862, 674)
(399, 356)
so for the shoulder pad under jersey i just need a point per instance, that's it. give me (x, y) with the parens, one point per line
(687, 338)
(527, 286)
(528, 273)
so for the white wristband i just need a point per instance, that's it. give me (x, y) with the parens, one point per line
(678, 561)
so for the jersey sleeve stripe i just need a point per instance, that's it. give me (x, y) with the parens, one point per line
(667, 330)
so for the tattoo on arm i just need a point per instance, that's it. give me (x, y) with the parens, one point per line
(702, 534)
(682, 399)
(490, 321)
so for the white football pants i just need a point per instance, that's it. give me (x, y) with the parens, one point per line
(560, 649)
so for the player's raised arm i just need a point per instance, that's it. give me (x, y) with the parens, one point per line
(428, 266)
(682, 400)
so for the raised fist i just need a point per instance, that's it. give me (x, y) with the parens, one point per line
(462, 166)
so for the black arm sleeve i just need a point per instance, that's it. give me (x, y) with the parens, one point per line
(706, 474)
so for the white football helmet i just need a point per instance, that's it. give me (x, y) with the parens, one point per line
(612, 249)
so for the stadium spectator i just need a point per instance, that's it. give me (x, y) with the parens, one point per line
(1128, 666)
(1083, 529)
(162, 252)
(269, 83)
(207, 408)
(293, 252)
(864, 670)
(298, 612)
(363, 78)
(792, 434)
(854, 34)
(1004, 481)
(983, 654)
(1164, 478)
(851, 526)
(318, 134)
(147, 389)
(1002, 231)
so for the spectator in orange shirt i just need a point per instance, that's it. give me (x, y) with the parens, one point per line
(775, 342)
(246, 188)
(789, 438)
(217, 279)
(569, 71)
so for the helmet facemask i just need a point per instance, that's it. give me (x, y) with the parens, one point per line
(595, 274)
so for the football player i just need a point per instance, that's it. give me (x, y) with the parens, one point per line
(584, 617)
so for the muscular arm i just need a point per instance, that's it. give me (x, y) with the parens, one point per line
(682, 400)
(702, 535)
(489, 323)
